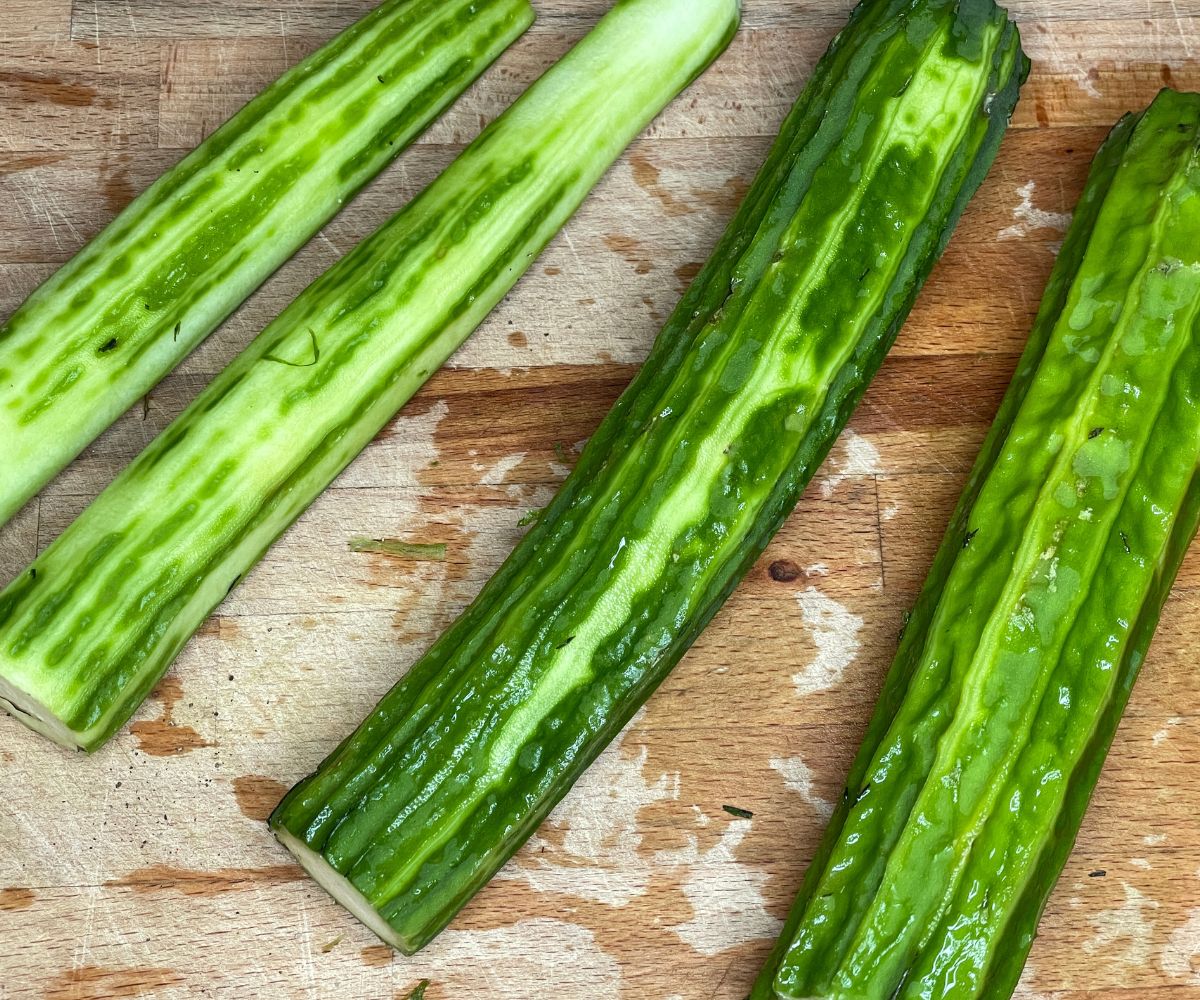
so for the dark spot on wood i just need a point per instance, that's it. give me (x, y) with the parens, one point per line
(116, 185)
(1098, 873)
(686, 274)
(726, 198)
(377, 956)
(649, 178)
(163, 737)
(1043, 116)
(98, 982)
(257, 795)
(631, 250)
(192, 882)
(15, 898)
(553, 272)
(518, 339)
(41, 88)
(29, 161)
(784, 571)
(738, 812)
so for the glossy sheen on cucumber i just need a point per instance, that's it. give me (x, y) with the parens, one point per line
(1014, 669)
(94, 338)
(683, 483)
(87, 630)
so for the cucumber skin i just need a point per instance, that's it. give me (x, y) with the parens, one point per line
(490, 728)
(97, 618)
(983, 924)
(100, 332)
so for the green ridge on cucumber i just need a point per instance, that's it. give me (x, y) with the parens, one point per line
(1025, 642)
(98, 335)
(90, 626)
(684, 482)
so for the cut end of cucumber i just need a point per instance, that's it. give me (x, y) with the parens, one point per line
(27, 709)
(340, 888)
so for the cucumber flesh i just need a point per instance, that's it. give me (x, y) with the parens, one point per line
(99, 616)
(687, 478)
(29, 710)
(340, 888)
(97, 336)
(1015, 667)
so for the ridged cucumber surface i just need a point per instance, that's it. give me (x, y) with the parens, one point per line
(94, 338)
(684, 482)
(88, 629)
(1025, 642)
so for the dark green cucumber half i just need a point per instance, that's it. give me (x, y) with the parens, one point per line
(1017, 662)
(87, 630)
(95, 338)
(683, 483)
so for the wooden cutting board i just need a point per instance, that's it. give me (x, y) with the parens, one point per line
(146, 870)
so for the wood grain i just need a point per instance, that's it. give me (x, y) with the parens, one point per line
(146, 870)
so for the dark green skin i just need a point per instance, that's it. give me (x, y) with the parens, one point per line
(124, 311)
(688, 477)
(1018, 660)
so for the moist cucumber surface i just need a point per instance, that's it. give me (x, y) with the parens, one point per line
(683, 483)
(1025, 642)
(91, 625)
(124, 311)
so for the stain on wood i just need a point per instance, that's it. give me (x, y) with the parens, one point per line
(41, 88)
(211, 882)
(95, 982)
(164, 737)
(378, 956)
(14, 898)
(257, 795)
(649, 178)
(632, 250)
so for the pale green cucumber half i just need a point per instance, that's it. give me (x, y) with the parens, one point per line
(91, 625)
(124, 311)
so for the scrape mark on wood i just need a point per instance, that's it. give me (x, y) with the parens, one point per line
(257, 795)
(96, 982)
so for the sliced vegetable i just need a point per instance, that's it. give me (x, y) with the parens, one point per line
(166, 272)
(89, 628)
(683, 483)
(1013, 671)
